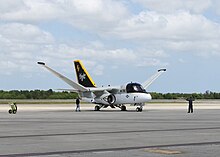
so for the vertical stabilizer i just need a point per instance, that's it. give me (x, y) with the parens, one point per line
(83, 76)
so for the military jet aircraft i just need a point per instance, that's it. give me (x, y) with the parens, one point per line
(112, 96)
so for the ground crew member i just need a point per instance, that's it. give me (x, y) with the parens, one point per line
(190, 100)
(77, 104)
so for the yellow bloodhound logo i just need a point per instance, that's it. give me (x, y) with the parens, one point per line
(78, 68)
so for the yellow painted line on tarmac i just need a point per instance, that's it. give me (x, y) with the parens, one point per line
(163, 151)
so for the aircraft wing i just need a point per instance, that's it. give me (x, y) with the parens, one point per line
(69, 90)
(65, 79)
(153, 78)
(104, 90)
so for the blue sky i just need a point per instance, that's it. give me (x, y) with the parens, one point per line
(118, 41)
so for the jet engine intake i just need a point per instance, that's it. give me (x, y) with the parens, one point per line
(111, 99)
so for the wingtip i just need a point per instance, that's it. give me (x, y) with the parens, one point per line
(162, 70)
(41, 63)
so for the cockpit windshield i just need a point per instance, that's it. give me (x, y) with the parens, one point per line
(134, 88)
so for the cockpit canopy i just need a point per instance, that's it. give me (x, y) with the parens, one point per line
(135, 88)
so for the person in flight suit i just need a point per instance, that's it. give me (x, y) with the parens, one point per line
(190, 100)
(77, 104)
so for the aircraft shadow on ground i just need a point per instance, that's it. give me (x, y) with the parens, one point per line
(101, 111)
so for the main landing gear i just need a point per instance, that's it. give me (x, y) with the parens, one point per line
(97, 108)
(123, 108)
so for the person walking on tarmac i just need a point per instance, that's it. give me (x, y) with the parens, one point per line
(190, 100)
(77, 104)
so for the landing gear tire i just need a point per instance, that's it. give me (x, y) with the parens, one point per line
(139, 109)
(14, 111)
(97, 108)
(10, 111)
(123, 108)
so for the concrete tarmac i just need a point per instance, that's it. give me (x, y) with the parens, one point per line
(57, 131)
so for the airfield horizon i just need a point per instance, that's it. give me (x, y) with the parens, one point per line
(59, 105)
(72, 101)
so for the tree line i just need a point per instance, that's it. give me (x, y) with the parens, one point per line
(206, 95)
(50, 94)
(36, 94)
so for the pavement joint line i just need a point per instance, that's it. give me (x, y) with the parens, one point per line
(110, 149)
(108, 132)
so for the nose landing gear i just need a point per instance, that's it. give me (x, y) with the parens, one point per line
(139, 109)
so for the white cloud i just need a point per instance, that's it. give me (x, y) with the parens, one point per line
(24, 33)
(32, 10)
(20, 44)
(180, 26)
(180, 32)
(170, 6)
(84, 7)
(95, 14)
(7, 6)
(215, 6)
(111, 18)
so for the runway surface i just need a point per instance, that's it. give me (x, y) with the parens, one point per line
(55, 130)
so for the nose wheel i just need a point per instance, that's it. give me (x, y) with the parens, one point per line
(139, 109)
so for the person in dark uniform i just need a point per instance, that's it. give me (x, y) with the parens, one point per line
(190, 100)
(77, 104)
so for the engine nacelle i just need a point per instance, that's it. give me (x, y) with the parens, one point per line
(111, 99)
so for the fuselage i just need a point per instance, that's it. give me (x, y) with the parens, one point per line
(125, 98)
(132, 93)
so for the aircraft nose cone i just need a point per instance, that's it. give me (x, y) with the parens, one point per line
(148, 97)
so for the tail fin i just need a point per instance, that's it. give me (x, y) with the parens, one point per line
(83, 76)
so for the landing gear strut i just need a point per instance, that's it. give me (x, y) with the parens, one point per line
(97, 108)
